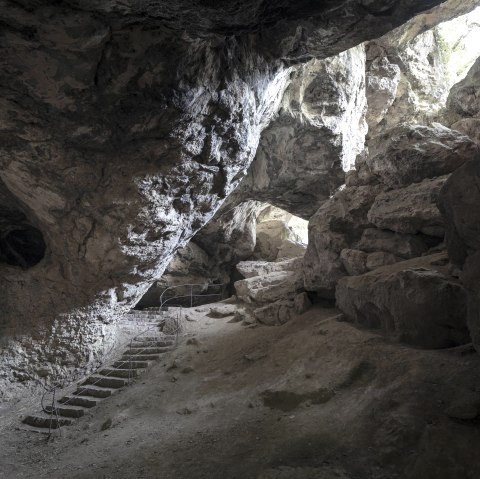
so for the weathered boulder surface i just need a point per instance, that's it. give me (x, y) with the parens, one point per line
(249, 269)
(410, 153)
(458, 203)
(320, 129)
(382, 79)
(275, 314)
(404, 246)
(337, 225)
(410, 210)
(271, 287)
(411, 302)
(464, 98)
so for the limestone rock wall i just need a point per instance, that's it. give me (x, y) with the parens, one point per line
(124, 127)
(389, 206)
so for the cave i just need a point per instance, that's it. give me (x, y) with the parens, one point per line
(22, 246)
(240, 239)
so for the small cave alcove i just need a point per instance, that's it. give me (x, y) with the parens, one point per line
(21, 244)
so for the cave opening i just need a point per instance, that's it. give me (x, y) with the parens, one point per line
(21, 245)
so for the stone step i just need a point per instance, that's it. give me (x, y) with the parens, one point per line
(45, 421)
(124, 372)
(106, 382)
(146, 350)
(142, 357)
(66, 410)
(126, 363)
(147, 338)
(84, 401)
(94, 391)
(151, 344)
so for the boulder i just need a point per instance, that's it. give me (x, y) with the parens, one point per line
(458, 202)
(337, 225)
(275, 314)
(379, 259)
(354, 261)
(404, 246)
(291, 249)
(410, 153)
(409, 303)
(269, 288)
(464, 97)
(249, 269)
(469, 127)
(410, 210)
(302, 303)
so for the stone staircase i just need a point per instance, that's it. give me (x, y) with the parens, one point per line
(102, 384)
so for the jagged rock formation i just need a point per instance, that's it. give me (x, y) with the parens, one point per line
(319, 131)
(389, 204)
(413, 301)
(274, 290)
(458, 203)
(138, 146)
(408, 77)
(462, 112)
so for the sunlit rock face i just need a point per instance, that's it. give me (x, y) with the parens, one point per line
(318, 133)
(463, 107)
(388, 210)
(411, 69)
(124, 127)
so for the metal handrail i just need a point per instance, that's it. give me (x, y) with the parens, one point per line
(191, 295)
(53, 407)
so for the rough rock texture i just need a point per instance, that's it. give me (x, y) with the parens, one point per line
(459, 206)
(462, 112)
(463, 99)
(126, 124)
(408, 69)
(336, 226)
(411, 153)
(354, 261)
(320, 129)
(404, 246)
(229, 237)
(389, 206)
(408, 302)
(249, 269)
(382, 79)
(410, 210)
(271, 287)
(380, 258)
(271, 237)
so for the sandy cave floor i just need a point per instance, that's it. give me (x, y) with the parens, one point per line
(315, 398)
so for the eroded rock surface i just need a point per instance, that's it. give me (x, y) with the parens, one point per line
(410, 210)
(411, 153)
(337, 225)
(410, 302)
(458, 203)
(125, 125)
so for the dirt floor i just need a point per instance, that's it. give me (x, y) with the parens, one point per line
(314, 398)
